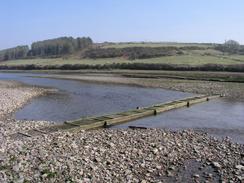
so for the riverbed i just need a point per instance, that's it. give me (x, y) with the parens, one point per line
(75, 99)
(110, 155)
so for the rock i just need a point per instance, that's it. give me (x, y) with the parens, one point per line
(155, 151)
(240, 167)
(172, 168)
(74, 145)
(209, 175)
(20, 180)
(242, 163)
(17, 167)
(241, 178)
(196, 176)
(158, 167)
(216, 165)
(169, 173)
(143, 181)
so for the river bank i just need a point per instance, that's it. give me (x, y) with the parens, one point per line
(14, 95)
(151, 155)
(191, 82)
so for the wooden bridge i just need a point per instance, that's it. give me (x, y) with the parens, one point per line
(122, 117)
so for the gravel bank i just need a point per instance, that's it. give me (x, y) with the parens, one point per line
(14, 95)
(233, 91)
(122, 156)
(151, 155)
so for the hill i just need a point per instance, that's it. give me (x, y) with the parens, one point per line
(82, 53)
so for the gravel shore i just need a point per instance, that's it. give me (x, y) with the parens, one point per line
(13, 96)
(230, 90)
(140, 155)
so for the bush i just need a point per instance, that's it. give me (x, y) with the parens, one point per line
(131, 66)
(230, 46)
(133, 53)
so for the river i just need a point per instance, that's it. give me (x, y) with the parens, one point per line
(76, 99)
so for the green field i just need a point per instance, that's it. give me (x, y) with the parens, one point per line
(153, 44)
(183, 59)
(190, 57)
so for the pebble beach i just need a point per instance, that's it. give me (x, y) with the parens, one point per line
(109, 155)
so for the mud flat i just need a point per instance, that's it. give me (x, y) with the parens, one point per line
(139, 155)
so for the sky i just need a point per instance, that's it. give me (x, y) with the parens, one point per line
(25, 21)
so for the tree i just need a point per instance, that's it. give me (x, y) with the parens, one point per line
(18, 52)
(230, 46)
(59, 46)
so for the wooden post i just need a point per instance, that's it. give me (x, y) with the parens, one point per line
(105, 125)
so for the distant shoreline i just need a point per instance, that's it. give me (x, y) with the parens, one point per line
(229, 84)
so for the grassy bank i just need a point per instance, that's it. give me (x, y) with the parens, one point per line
(193, 57)
(191, 60)
(153, 44)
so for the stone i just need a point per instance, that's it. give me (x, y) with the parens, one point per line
(240, 167)
(196, 176)
(143, 181)
(169, 173)
(241, 178)
(216, 164)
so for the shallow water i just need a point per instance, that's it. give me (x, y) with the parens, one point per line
(219, 117)
(76, 99)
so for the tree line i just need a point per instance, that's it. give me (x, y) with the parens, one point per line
(59, 46)
(67, 45)
(14, 53)
(47, 48)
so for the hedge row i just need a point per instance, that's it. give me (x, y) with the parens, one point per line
(132, 53)
(131, 66)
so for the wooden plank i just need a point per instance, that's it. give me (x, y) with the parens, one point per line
(130, 117)
(70, 123)
(40, 131)
(89, 123)
(137, 127)
(144, 112)
(24, 134)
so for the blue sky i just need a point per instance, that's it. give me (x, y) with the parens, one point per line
(25, 21)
